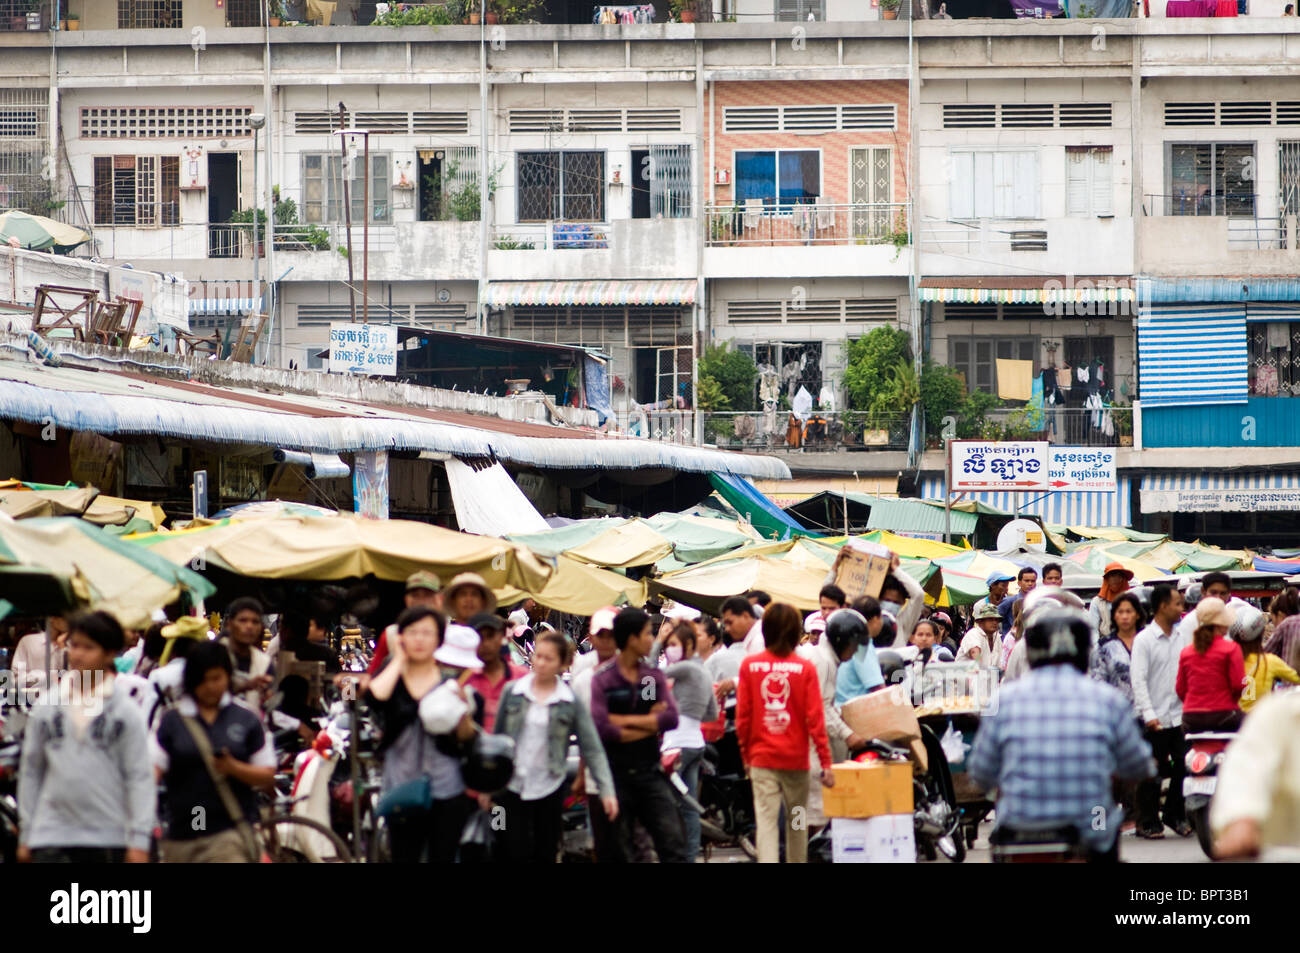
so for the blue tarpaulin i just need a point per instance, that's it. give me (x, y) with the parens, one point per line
(764, 515)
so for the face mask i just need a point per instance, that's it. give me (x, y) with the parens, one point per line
(891, 607)
(673, 654)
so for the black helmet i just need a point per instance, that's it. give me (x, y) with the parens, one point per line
(845, 627)
(888, 629)
(490, 763)
(1054, 636)
(891, 666)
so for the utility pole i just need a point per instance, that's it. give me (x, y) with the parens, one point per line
(347, 203)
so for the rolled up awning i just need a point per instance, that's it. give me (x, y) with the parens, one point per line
(225, 305)
(504, 294)
(318, 466)
(1041, 290)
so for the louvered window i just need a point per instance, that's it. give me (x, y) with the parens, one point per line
(1088, 184)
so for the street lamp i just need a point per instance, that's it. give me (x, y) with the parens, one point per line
(256, 121)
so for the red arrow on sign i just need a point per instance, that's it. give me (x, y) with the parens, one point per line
(1060, 483)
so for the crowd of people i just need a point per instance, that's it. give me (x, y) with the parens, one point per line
(192, 710)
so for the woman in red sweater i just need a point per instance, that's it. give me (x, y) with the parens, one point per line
(778, 709)
(1211, 673)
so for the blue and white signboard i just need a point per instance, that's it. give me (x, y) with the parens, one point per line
(983, 466)
(363, 349)
(1083, 469)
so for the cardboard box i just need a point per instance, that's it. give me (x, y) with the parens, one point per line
(860, 569)
(869, 789)
(887, 715)
(888, 839)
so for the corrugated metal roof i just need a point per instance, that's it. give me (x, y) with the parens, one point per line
(125, 403)
(1222, 288)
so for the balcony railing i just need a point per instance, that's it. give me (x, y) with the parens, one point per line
(813, 224)
(538, 236)
(1068, 426)
(1200, 203)
(781, 430)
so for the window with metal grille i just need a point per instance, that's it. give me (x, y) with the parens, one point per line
(148, 14)
(563, 186)
(970, 116)
(447, 122)
(976, 358)
(1288, 180)
(137, 190)
(1082, 351)
(1246, 114)
(666, 172)
(873, 116)
(243, 13)
(1084, 115)
(322, 188)
(1028, 115)
(821, 310)
(1211, 178)
(536, 120)
(654, 120)
(794, 11)
(1274, 358)
(799, 363)
(24, 138)
(384, 121)
(310, 122)
(165, 122)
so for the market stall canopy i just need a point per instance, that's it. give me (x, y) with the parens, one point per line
(61, 563)
(826, 512)
(26, 500)
(38, 233)
(581, 589)
(708, 585)
(346, 547)
(786, 493)
(762, 513)
(697, 538)
(263, 509)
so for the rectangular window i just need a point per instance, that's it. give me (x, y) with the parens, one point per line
(976, 358)
(148, 14)
(1211, 178)
(1088, 188)
(795, 11)
(322, 188)
(137, 190)
(560, 186)
(779, 177)
(988, 183)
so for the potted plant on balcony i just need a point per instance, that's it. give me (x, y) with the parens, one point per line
(683, 11)
(275, 12)
(889, 9)
(74, 21)
(518, 11)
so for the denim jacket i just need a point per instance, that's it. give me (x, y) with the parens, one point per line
(568, 717)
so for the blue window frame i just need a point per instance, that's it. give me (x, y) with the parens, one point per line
(779, 177)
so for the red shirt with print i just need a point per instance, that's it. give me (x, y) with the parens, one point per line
(778, 709)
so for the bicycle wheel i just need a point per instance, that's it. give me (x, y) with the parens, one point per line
(288, 839)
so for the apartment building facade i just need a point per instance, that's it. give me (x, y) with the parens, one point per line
(1031, 191)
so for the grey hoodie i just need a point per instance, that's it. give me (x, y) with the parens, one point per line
(94, 791)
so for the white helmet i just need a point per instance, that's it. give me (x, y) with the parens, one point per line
(1249, 625)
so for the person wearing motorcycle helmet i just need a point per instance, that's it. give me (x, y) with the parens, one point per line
(1057, 737)
(1018, 662)
(860, 673)
(845, 631)
(1263, 669)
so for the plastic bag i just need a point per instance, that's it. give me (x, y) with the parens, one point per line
(954, 746)
(477, 839)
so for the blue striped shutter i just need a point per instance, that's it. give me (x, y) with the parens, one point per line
(1192, 354)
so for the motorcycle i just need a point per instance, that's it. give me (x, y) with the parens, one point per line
(1056, 845)
(1205, 751)
(726, 798)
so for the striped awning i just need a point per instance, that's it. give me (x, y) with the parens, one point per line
(1220, 289)
(225, 305)
(1206, 491)
(504, 294)
(1062, 508)
(1192, 354)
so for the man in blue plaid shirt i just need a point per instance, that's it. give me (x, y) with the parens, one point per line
(1058, 738)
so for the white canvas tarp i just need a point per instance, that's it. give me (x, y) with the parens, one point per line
(489, 503)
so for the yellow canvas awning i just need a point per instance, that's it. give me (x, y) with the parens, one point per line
(20, 502)
(633, 543)
(581, 589)
(344, 547)
(708, 585)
